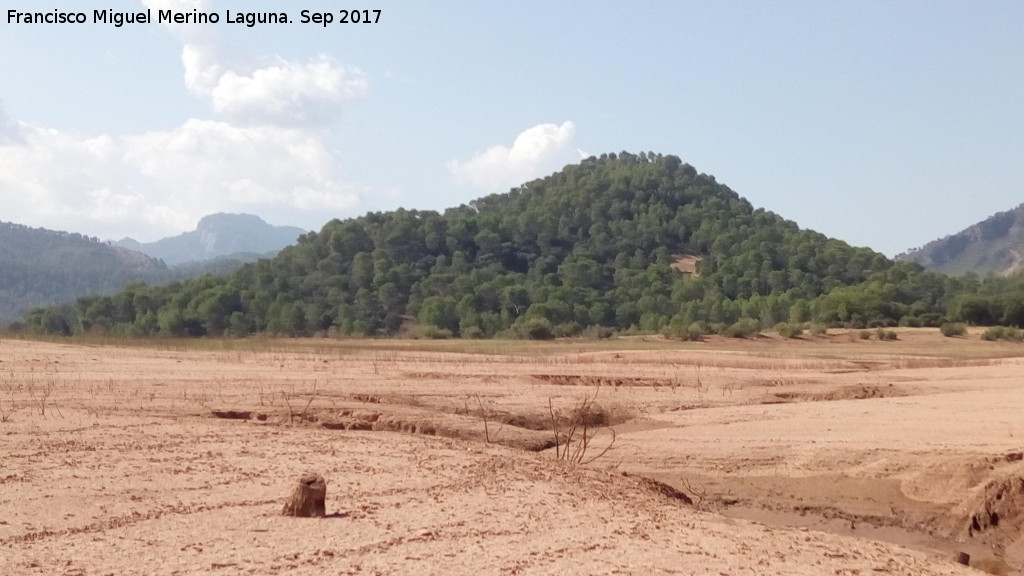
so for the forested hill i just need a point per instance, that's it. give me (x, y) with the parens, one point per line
(595, 246)
(994, 245)
(39, 266)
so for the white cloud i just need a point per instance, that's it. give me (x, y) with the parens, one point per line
(273, 90)
(160, 183)
(53, 179)
(244, 166)
(536, 152)
(285, 91)
(269, 154)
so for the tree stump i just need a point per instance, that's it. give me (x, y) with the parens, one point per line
(308, 498)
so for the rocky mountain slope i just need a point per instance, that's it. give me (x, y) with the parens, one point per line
(994, 245)
(240, 236)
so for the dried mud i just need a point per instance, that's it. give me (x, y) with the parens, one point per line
(770, 457)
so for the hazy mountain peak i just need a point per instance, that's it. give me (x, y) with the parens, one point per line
(222, 220)
(218, 235)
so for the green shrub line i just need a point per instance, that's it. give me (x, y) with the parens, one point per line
(1006, 333)
(595, 247)
(953, 329)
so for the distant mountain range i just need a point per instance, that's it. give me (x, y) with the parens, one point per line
(40, 267)
(994, 245)
(237, 236)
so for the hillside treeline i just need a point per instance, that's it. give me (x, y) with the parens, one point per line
(40, 266)
(994, 301)
(591, 248)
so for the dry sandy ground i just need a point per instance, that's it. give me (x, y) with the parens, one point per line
(828, 456)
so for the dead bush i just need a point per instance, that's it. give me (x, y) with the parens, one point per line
(575, 432)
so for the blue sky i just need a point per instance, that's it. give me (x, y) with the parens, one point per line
(885, 124)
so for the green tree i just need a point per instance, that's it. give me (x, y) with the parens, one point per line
(440, 311)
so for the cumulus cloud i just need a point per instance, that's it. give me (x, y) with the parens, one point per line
(537, 151)
(266, 151)
(160, 183)
(54, 179)
(272, 90)
(282, 92)
(245, 166)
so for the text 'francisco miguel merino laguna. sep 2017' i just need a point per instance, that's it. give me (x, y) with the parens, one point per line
(149, 16)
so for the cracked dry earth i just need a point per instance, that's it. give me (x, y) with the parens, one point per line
(111, 462)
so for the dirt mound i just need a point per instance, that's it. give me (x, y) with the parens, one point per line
(613, 381)
(948, 481)
(854, 392)
(996, 512)
(994, 516)
(238, 415)
(438, 424)
(669, 492)
(980, 501)
(352, 420)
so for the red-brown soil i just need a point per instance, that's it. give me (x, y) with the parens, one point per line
(820, 456)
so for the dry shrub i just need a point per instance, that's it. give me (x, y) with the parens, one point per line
(574, 433)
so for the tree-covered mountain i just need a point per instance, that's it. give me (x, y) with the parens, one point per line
(994, 245)
(596, 246)
(235, 236)
(39, 267)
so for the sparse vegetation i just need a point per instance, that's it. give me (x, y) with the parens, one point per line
(573, 434)
(884, 335)
(1003, 333)
(988, 247)
(693, 332)
(6, 411)
(953, 329)
(431, 332)
(787, 330)
(486, 415)
(598, 332)
(534, 329)
(744, 328)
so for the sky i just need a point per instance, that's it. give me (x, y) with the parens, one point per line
(886, 124)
